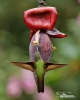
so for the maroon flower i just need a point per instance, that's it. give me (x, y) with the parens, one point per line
(42, 20)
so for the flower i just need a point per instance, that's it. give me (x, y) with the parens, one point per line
(78, 19)
(47, 95)
(27, 81)
(78, 1)
(13, 87)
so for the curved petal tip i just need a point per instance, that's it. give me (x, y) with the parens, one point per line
(61, 35)
(55, 33)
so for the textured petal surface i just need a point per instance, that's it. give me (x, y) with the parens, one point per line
(34, 18)
(45, 47)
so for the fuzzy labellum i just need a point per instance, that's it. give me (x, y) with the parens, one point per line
(41, 18)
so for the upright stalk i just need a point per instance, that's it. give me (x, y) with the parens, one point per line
(42, 3)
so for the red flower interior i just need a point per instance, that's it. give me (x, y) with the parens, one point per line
(41, 18)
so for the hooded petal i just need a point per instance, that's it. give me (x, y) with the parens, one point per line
(41, 18)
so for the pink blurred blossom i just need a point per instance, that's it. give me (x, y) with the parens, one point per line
(78, 1)
(13, 87)
(47, 95)
(28, 82)
(78, 19)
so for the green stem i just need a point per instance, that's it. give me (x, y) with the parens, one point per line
(42, 3)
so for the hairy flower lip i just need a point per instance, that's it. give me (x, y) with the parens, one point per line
(40, 18)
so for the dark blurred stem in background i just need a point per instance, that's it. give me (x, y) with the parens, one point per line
(42, 3)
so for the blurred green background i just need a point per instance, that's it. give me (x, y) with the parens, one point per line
(14, 45)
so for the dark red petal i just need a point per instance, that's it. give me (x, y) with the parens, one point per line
(32, 32)
(41, 18)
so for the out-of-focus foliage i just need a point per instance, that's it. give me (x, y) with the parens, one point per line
(14, 44)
